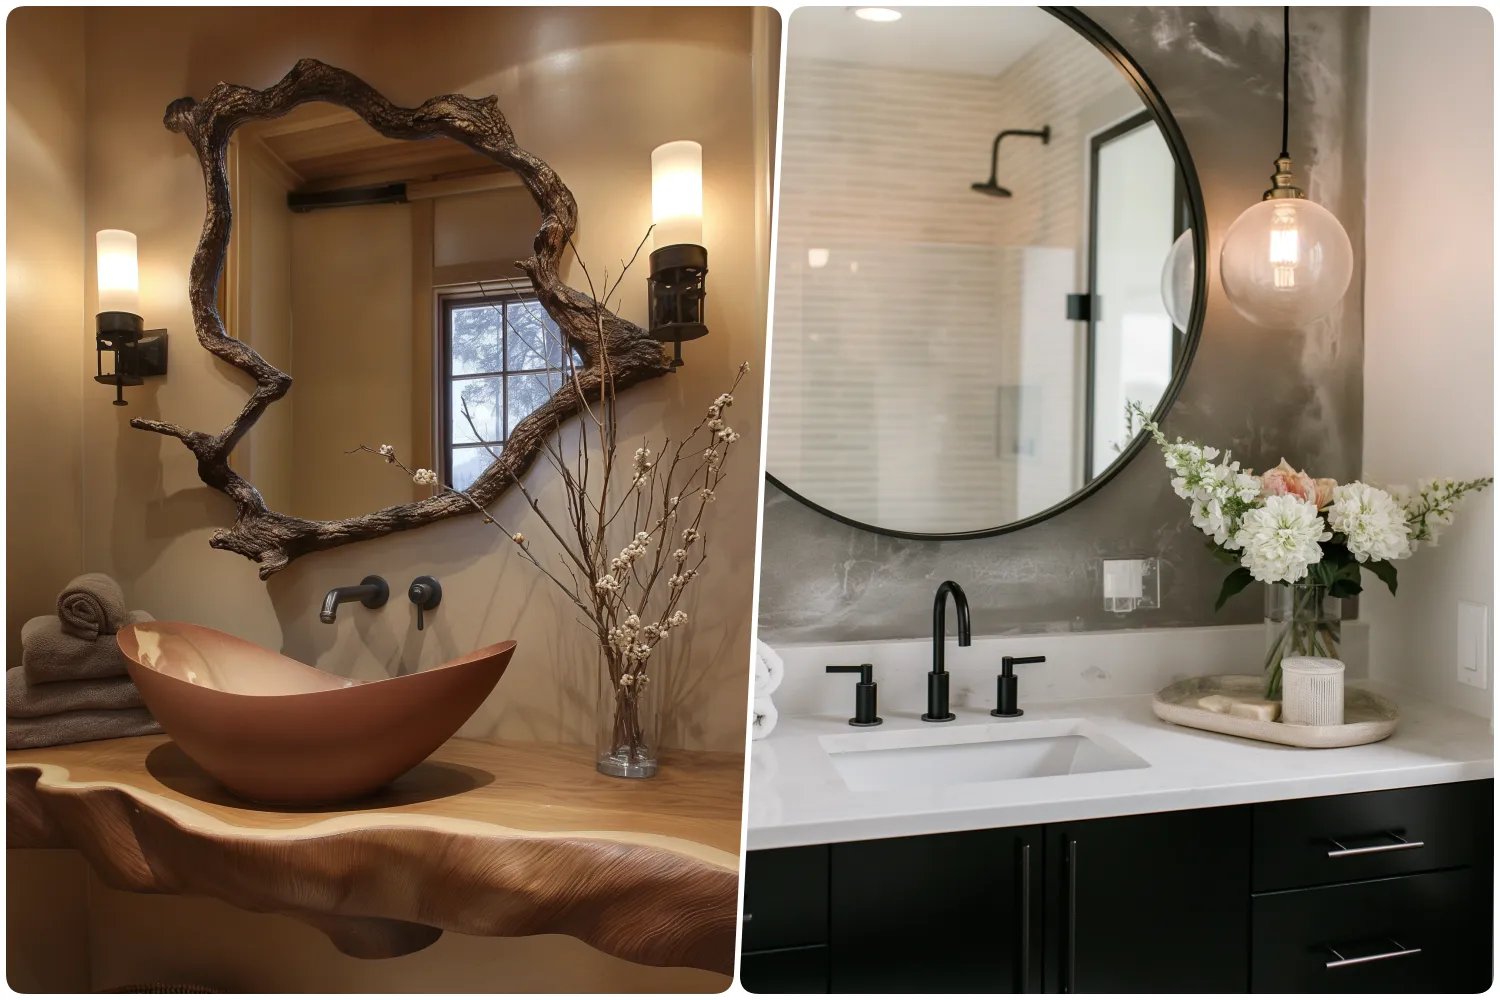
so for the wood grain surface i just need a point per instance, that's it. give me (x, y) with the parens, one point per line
(498, 839)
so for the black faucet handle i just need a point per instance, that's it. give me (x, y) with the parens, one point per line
(426, 593)
(866, 671)
(1005, 686)
(1006, 662)
(864, 693)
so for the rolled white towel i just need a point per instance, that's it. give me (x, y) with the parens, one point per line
(769, 670)
(762, 718)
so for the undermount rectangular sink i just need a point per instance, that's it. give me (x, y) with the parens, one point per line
(965, 755)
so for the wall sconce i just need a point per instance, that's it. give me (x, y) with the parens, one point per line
(679, 261)
(119, 329)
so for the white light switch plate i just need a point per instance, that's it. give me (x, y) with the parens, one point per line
(1473, 644)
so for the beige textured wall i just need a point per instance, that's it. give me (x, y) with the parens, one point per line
(47, 922)
(1430, 327)
(263, 294)
(351, 357)
(47, 335)
(46, 895)
(590, 91)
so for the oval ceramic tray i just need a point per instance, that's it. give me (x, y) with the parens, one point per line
(1368, 717)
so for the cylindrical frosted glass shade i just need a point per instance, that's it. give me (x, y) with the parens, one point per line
(1285, 262)
(677, 193)
(1177, 280)
(119, 281)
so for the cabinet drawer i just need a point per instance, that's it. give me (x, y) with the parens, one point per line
(786, 898)
(786, 970)
(1306, 842)
(1410, 933)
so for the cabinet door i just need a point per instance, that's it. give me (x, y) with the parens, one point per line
(948, 913)
(1150, 904)
(786, 898)
(786, 970)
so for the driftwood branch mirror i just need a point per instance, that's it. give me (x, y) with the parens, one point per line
(523, 418)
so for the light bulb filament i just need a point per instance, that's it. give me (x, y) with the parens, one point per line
(1286, 247)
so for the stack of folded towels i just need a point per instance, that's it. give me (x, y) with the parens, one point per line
(72, 685)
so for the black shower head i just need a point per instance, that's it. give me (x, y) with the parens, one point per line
(991, 188)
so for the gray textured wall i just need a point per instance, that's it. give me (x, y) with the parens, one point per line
(1263, 393)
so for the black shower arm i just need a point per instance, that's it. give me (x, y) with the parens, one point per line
(1044, 133)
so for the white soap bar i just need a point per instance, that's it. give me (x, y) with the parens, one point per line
(1216, 703)
(1264, 711)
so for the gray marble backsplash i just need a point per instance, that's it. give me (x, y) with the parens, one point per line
(1262, 393)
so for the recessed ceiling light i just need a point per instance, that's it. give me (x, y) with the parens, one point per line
(881, 14)
(817, 256)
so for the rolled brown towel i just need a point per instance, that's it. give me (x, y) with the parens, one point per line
(78, 727)
(30, 701)
(92, 605)
(50, 654)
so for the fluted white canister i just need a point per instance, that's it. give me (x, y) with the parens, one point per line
(1312, 691)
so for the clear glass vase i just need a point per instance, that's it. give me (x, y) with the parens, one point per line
(1301, 620)
(628, 721)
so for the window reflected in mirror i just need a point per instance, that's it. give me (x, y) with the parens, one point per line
(380, 274)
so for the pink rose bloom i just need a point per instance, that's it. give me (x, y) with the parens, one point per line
(1287, 481)
(1324, 488)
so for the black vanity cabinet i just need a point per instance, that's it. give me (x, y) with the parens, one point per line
(784, 923)
(951, 913)
(1379, 892)
(1158, 903)
(1384, 891)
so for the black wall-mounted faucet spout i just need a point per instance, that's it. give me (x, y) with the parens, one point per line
(372, 592)
(937, 680)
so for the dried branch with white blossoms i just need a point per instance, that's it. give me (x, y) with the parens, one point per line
(630, 539)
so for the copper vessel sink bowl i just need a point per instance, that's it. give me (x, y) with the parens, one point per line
(273, 730)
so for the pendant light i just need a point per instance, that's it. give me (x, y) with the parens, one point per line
(1286, 261)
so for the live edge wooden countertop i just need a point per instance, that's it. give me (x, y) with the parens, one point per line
(501, 839)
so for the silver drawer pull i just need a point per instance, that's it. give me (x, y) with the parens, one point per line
(1339, 961)
(1398, 843)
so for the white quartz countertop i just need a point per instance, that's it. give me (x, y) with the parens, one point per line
(797, 797)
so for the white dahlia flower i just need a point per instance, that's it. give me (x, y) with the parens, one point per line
(1280, 540)
(1372, 520)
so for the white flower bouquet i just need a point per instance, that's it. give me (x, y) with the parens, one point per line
(1285, 527)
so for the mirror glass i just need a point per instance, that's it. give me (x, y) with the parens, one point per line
(381, 275)
(975, 210)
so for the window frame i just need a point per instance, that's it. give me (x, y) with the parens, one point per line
(495, 294)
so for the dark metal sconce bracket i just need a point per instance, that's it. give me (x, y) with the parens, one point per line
(138, 354)
(676, 290)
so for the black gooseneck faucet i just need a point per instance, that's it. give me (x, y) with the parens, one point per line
(937, 680)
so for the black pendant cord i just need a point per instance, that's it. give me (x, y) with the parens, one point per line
(1286, 76)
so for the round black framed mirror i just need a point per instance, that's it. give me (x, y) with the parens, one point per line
(990, 240)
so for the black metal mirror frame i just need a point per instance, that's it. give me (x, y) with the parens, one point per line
(609, 346)
(1193, 195)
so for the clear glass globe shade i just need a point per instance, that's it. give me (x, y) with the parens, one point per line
(1285, 262)
(1177, 280)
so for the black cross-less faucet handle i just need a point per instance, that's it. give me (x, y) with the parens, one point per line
(864, 694)
(426, 593)
(1005, 685)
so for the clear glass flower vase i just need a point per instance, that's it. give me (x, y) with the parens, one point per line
(628, 721)
(1301, 620)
